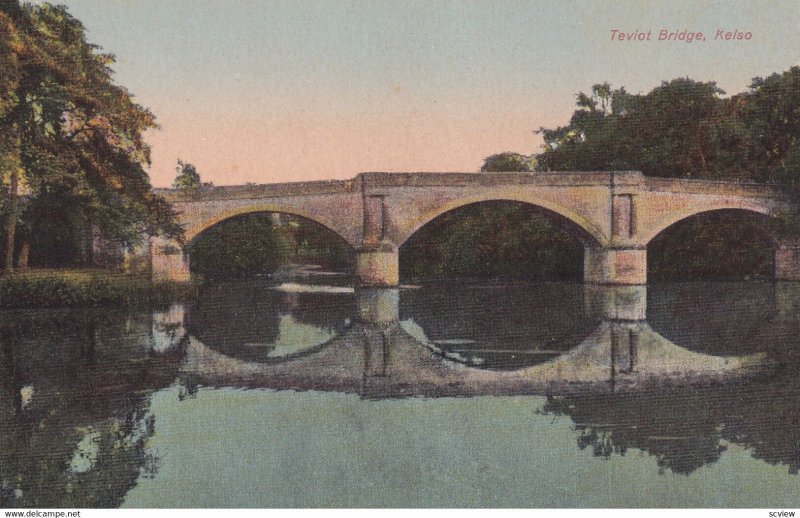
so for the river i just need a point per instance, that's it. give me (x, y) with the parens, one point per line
(307, 393)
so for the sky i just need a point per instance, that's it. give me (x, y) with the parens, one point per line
(270, 91)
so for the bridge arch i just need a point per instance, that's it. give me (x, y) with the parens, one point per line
(683, 214)
(476, 252)
(195, 229)
(584, 230)
(720, 243)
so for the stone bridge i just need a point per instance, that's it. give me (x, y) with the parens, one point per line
(614, 214)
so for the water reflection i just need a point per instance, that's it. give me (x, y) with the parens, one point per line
(650, 369)
(267, 321)
(687, 428)
(532, 339)
(74, 420)
(498, 326)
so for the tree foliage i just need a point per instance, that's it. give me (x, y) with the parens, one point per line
(508, 162)
(244, 245)
(684, 129)
(713, 245)
(680, 129)
(70, 132)
(674, 131)
(188, 177)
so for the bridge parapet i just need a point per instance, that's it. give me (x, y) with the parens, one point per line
(454, 179)
(714, 188)
(257, 191)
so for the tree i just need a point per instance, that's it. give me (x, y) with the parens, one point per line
(684, 128)
(188, 177)
(11, 46)
(770, 114)
(508, 162)
(69, 129)
(260, 243)
(590, 141)
(675, 130)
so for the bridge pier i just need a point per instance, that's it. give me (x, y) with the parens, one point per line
(618, 303)
(168, 261)
(378, 306)
(787, 262)
(787, 301)
(615, 266)
(378, 266)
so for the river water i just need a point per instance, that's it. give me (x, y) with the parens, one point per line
(304, 392)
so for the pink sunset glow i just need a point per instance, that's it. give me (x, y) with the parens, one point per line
(272, 91)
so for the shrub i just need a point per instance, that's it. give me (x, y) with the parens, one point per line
(56, 288)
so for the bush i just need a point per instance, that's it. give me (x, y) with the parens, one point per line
(57, 288)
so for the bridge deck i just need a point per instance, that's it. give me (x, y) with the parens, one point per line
(372, 180)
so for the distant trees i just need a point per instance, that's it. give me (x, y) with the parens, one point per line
(508, 161)
(673, 131)
(684, 129)
(71, 139)
(259, 243)
(245, 245)
(493, 239)
(769, 115)
(188, 177)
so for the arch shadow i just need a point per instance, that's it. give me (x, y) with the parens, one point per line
(717, 234)
(196, 230)
(582, 229)
(764, 214)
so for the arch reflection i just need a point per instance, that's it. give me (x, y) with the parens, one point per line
(497, 326)
(267, 321)
(615, 348)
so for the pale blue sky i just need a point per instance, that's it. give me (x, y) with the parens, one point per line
(264, 91)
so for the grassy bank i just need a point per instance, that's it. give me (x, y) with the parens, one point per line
(62, 288)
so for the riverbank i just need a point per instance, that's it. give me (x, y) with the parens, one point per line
(85, 288)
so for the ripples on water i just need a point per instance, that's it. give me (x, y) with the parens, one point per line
(293, 394)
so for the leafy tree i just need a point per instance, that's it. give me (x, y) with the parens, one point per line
(508, 161)
(684, 128)
(69, 129)
(718, 244)
(675, 130)
(770, 113)
(188, 177)
(318, 244)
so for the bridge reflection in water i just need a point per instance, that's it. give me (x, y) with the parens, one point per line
(624, 384)
(630, 369)
(604, 346)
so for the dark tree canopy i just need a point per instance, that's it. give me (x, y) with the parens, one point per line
(684, 129)
(493, 239)
(188, 177)
(680, 129)
(508, 161)
(69, 132)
